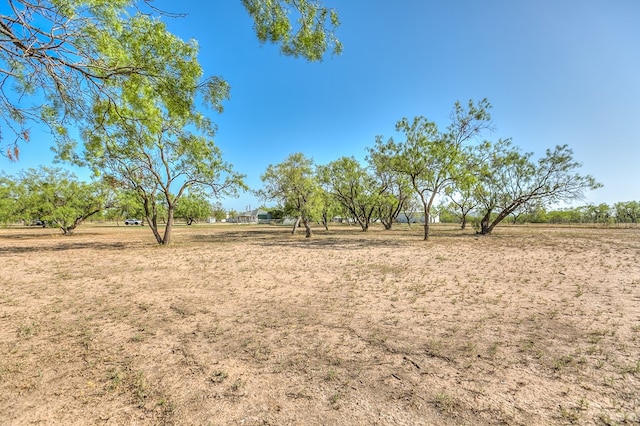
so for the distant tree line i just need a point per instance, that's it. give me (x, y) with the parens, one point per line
(490, 180)
(430, 172)
(56, 198)
(626, 212)
(125, 97)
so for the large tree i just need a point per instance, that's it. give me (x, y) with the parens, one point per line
(353, 187)
(433, 160)
(150, 134)
(513, 180)
(58, 198)
(395, 189)
(193, 207)
(627, 211)
(294, 185)
(158, 159)
(57, 57)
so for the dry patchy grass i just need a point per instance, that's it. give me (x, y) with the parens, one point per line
(250, 325)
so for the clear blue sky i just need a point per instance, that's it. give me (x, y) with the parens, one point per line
(556, 72)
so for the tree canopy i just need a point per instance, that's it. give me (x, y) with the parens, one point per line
(135, 90)
(433, 160)
(512, 179)
(193, 207)
(58, 57)
(52, 196)
(353, 187)
(159, 160)
(294, 185)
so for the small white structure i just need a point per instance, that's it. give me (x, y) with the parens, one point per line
(253, 216)
(418, 217)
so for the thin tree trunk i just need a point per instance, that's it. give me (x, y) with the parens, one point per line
(154, 227)
(296, 223)
(308, 231)
(68, 230)
(426, 227)
(325, 221)
(427, 217)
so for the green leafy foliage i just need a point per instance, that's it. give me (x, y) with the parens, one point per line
(125, 205)
(159, 161)
(10, 194)
(353, 187)
(294, 185)
(394, 188)
(193, 207)
(309, 36)
(52, 196)
(74, 53)
(432, 160)
(512, 179)
(627, 211)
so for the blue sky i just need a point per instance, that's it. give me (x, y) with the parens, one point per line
(556, 72)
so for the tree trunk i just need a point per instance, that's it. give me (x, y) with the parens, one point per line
(426, 227)
(151, 215)
(68, 230)
(485, 227)
(325, 221)
(307, 228)
(463, 224)
(153, 224)
(166, 240)
(296, 223)
(427, 216)
(154, 229)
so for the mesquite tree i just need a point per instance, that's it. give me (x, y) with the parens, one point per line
(58, 57)
(395, 189)
(193, 207)
(433, 160)
(159, 160)
(353, 187)
(294, 185)
(56, 197)
(512, 179)
(149, 134)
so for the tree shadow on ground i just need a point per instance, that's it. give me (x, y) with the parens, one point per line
(346, 238)
(62, 247)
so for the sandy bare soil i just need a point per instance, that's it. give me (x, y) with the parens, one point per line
(249, 325)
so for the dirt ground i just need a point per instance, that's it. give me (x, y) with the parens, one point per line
(248, 325)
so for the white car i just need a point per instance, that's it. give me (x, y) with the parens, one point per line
(133, 222)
